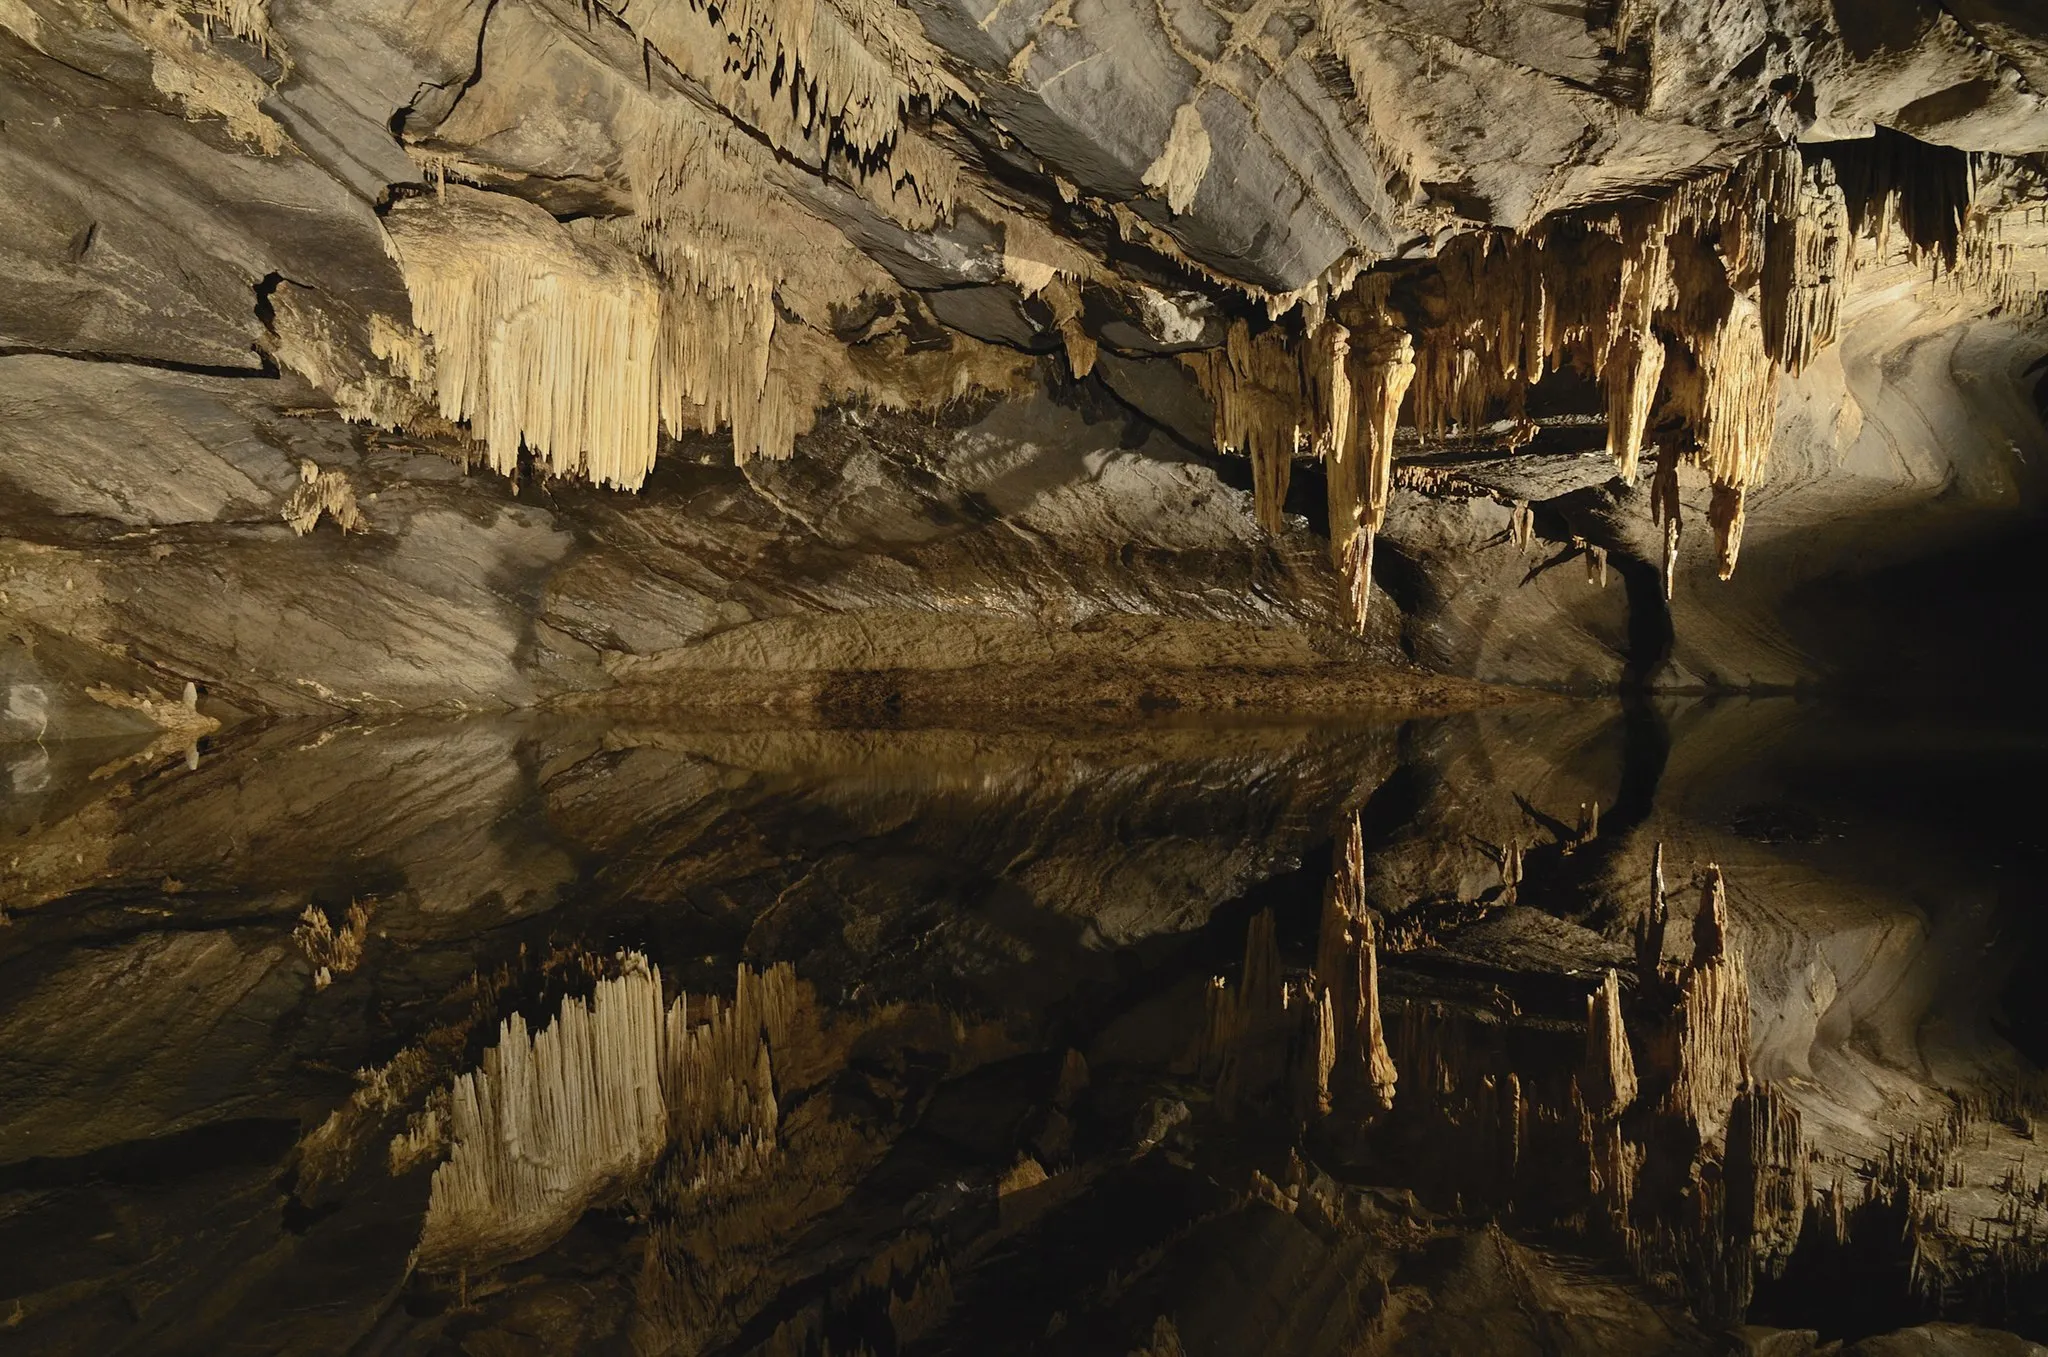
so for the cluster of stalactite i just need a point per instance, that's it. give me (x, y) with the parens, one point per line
(712, 304)
(1337, 397)
(582, 1109)
(1686, 309)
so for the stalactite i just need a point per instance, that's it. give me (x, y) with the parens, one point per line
(541, 336)
(1522, 526)
(1254, 383)
(1064, 298)
(1033, 255)
(806, 75)
(732, 252)
(332, 951)
(1634, 368)
(323, 493)
(1805, 268)
(1328, 379)
(1739, 406)
(1890, 178)
(204, 81)
(1607, 1077)
(1384, 370)
(1596, 566)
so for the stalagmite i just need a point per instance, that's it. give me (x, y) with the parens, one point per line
(542, 336)
(1607, 1078)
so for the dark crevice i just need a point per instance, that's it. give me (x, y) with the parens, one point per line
(264, 367)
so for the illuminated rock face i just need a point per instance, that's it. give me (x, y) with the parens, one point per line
(1412, 265)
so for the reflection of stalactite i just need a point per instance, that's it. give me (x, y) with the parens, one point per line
(1375, 1060)
(1240, 1021)
(1765, 1178)
(1607, 1079)
(582, 1108)
(1712, 1022)
(1649, 932)
(551, 1122)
